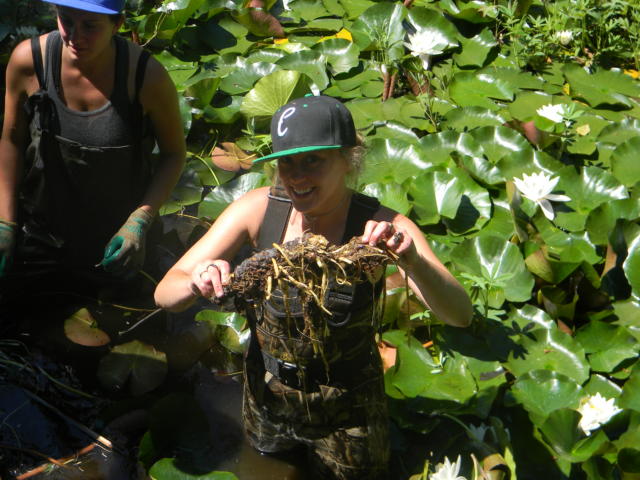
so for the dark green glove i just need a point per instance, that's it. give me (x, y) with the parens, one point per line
(7, 239)
(124, 254)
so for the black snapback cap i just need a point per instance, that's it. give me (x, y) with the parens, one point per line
(308, 124)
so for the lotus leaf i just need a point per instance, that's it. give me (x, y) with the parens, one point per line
(341, 54)
(380, 28)
(393, 161)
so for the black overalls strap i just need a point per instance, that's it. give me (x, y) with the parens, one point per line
(36, 53)
(279, 208)
(275, 218)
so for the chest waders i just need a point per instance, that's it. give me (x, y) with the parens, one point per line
(85, 172)
(326, 393)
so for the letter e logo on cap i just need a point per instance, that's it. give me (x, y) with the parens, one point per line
(286, 114)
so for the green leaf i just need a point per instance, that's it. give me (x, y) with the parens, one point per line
(475, 50)
(498, 142)
(187, 192)
(408, 377)
(477, 89)
(136, 364)
(542, 392)
(631, 266)
(409, 113)
(272, 92)
(393, 161)
(602, 220)
(630, 396)
(526, 103)
(309, 62)
(608, 345)
(435, 194)
(442, 144)
(605, 88)
(549, 350)
(341, 54)
(167, 469)
(432, 21)
(624, 162)
(220, 197)
(380, 28)
(469, 118)
(561, 430)
(591, 188)
(390, 195)
(529, 318)
(498, 262)
(599, 384)
(242, 79)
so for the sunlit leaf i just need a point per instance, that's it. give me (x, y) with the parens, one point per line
(469, 118)
(242, 79)
(341, 54)
(497, 262)
(272, 92)
(475, 50)
(624, 162)
(549, 350)
(220, 197)
(169, 469)
(607, 345)
(393, 161)
(309, 62)
(390, 195)
(543, 391)
(380, 28)
(604, 88)
(477, 89)
(82, 328)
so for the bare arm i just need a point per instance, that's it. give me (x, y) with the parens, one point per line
(20, 82)
(193, 276)
(429, 279)
(160, 100)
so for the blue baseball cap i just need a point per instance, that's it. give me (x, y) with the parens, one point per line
(109, 7)
(309, 124)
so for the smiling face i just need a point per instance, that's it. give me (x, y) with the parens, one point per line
(86, 35)
(315, 181)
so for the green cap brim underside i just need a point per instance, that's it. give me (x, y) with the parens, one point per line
(293, 151)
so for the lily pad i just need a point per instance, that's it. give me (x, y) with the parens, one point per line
(550, 350)
(82, 328)
(135, 364)
(543, 391)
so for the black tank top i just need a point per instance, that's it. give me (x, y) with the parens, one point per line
(89, 172)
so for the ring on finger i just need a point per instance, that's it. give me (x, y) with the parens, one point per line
(206, 269)
(397, 237)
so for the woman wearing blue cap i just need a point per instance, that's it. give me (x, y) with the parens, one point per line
(83, 110)
(335, 405)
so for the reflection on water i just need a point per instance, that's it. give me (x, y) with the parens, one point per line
(221, 400)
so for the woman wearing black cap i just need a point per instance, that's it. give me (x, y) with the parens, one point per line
(339, 409)
(78, 191)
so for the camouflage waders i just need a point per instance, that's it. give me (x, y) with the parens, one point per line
(316, 379)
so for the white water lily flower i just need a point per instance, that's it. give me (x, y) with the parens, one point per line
(537, 187)
(447, 470)
(555, 113)
(596, 411)
(565, 37)
(425, 43)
